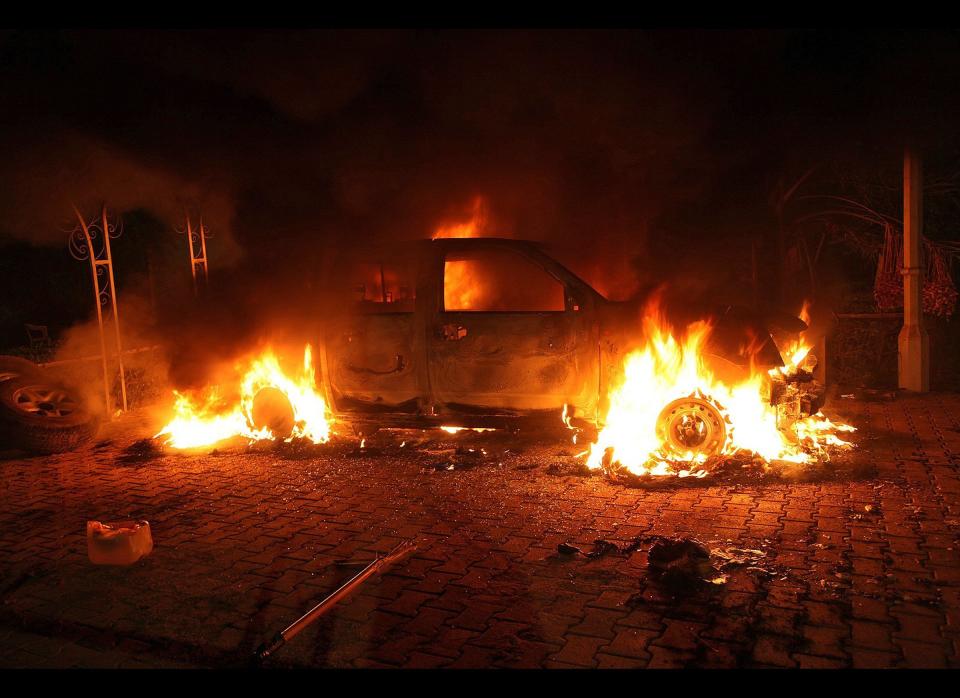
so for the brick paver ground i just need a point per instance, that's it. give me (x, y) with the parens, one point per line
(857, 571)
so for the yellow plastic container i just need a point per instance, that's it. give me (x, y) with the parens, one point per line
(118, 542)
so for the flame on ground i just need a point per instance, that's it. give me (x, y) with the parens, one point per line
(455, 430)
(203, 420)
(735, 417)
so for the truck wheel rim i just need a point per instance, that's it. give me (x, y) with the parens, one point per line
(44, 401)
(691, 425)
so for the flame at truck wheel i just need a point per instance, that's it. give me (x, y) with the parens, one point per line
(670, 413)
(692, 423)
(205, 419)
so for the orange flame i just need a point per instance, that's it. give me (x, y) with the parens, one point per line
(471, 228)
(796, 351)
(669, 370)
(462, 287)
(207, 419)
(457, 430)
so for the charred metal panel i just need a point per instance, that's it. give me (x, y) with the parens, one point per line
(618, 329)
(524, 361)
(372, 358)
(796, 396)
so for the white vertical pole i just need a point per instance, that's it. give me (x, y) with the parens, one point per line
(116, 311)
(193, 259)
(96, 303)
(203, 251)
(913, 343)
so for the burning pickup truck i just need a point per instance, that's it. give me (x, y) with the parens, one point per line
(479, 332)
(493, 333)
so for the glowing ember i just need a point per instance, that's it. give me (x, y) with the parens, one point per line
(454, 430)
(209, 418)
(670, 414)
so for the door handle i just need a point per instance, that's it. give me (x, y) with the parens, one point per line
(452, 332)
(397, 369)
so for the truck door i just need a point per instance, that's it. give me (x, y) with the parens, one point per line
(370, 334)
(509, 337)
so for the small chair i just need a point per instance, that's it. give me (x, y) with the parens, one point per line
(40, 343)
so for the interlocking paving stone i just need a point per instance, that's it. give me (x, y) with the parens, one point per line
(862, 565)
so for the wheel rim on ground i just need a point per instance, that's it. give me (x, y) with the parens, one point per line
(44, 401)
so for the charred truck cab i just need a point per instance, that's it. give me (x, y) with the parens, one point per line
(484, 332)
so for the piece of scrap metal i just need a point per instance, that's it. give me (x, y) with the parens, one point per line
(378, 565)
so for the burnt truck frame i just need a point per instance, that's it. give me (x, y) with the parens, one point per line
(412, 362)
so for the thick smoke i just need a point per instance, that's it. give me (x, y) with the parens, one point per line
(648, 156)
(313, 136)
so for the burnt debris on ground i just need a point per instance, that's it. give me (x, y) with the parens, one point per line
(681, 565)
(437, 451)
(141, 451)
(248, 535)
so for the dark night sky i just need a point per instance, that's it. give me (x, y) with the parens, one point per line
(650, 145)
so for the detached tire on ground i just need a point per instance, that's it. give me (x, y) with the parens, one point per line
(40, 415)
(16, 367)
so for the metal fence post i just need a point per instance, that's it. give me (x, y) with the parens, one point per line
(91, 241)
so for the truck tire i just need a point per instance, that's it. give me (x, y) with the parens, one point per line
(43, 416)
(15, 367)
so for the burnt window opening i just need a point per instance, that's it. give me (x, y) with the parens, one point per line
(387, 286)
(499, 281)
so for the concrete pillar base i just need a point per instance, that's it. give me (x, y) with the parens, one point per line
(914, 358)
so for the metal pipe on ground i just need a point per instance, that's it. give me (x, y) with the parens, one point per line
(378, 565)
